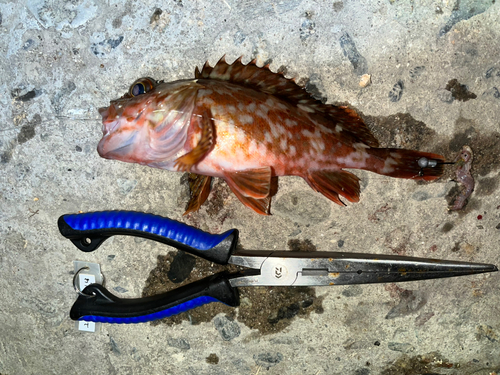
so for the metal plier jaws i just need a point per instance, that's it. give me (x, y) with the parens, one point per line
(262, 268)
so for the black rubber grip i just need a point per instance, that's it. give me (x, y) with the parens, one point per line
(97, 304)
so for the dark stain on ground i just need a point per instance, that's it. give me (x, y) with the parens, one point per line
(212, 359)
(267, 309)
(301, 245)
(25, 97)
(6, 156)
(426, 364)
(447, 227)
(215, 206)
(486, 146)
(215, 202)
(459, 91)
(28, 131)
(401, 130)
(487, 186)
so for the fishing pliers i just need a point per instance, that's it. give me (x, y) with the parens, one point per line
(262, 268)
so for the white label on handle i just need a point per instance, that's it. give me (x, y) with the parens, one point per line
(86, 326)
(85, 279)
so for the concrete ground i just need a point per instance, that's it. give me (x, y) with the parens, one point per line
(435, 73)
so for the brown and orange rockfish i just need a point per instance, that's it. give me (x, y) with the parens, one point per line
(246, 124)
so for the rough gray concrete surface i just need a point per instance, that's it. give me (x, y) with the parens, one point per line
(62, 60)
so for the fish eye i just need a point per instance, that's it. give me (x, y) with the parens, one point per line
(142, 86)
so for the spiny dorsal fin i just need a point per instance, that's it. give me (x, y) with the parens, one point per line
(264, 80)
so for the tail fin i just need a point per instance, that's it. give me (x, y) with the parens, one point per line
(401, 163)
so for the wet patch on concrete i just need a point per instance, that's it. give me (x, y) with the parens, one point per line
(219, 194)
(487, 186)
(267, 309)
(301, 245)
(401, 130)
(485, 145)
(429, 364)
(215, 209)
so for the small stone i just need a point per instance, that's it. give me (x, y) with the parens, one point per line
(212, 359)
(396, 92)
(268, 360)
(401, 347)
(227, 327)
(178, 343)
(126, 186)
(365, 80)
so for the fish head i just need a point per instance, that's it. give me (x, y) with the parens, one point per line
(144, 125)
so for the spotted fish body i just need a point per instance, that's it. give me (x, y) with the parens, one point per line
(246, 125)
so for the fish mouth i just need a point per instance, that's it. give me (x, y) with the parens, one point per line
(110, 118)
(110, 147)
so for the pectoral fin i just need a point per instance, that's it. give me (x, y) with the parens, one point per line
(252, 183)
(334, 183)
(200, 189)
(205, 123)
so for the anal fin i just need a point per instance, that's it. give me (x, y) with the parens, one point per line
(334, 183)
(261, 206)
(205, 123)
(252, 187)
(200, 189)
(253, 183)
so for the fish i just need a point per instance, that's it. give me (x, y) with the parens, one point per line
(248, 125)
